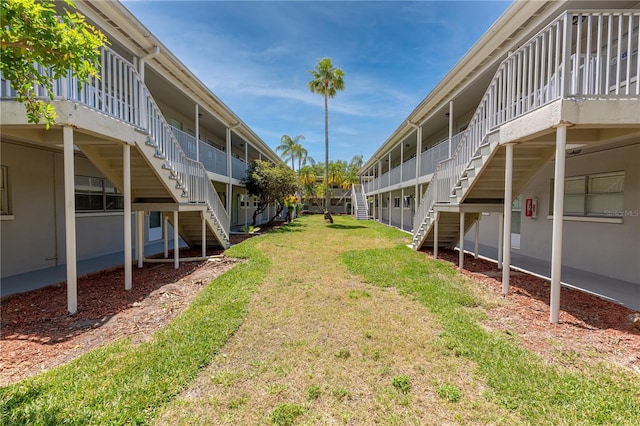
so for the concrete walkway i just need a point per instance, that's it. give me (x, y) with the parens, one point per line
(28, 281)
(623, 292)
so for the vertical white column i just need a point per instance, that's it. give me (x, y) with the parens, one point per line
(450, 128)
(229, 175)
(204, 235)
(70, 219)
(140, 238)
(461, 254)
(389, 204)
(558, 212)
(508, 197)
(418, 165)
(126, 166)
(246, 194)
(475, 256)
(401, 162)
(197, 120)
(435, 235)
(402, 208)
(176, 241)
(165, 234)
(389, 171)
(500, 238)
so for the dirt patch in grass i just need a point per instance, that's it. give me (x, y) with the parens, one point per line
(590, 328)
(322, 341)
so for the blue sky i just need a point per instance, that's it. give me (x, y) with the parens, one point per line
(255, 56)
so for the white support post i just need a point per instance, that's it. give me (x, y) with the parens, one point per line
(461, 254)
(435, 235)
(229, 201)
(558, 212)
(389, 205)
(402, 208)
(197, 120)
(389, 170)
(401, 162)
(246, 194)
(418, 164)
(70, 219)
(204, 235)
(140, 238)
(508, 196)
(475, 253)
(450, 128)
(500, 238)
(176, 241)
(165, 234)
(230, 176)
(126, 166)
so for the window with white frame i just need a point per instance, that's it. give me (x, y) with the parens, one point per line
(396, 203)
(94, 194)
(4, 191)
(597, 195)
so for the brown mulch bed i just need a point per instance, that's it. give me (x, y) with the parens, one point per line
(589, 327)
(37, 333)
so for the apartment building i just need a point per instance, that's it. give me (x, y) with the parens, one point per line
(529, 146)
(146, 153)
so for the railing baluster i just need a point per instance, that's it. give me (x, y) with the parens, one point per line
(619, 54)
(638, 60)
(587, 61)
(629, 52)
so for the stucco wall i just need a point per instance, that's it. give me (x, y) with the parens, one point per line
(35, 237)
(610, 249)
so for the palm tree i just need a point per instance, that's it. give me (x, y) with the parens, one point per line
(289, 148)
(302, 155)
(327, 80)
(351, 175)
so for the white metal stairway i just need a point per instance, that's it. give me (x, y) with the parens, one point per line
(359, 201)
(161, 173)
(565, 60)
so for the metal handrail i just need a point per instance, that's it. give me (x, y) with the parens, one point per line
(548, 67)
(120, 93)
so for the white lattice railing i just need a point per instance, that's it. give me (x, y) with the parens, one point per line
(120, 93)
(589, 55)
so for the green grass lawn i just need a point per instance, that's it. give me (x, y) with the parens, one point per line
(326, 324)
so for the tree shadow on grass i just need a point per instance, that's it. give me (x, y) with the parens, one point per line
(339, 226)
(289, 227)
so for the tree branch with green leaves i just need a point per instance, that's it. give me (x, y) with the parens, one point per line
(40, 44)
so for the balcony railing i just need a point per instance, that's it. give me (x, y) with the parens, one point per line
(406, 172)
(120, 93)
(586, 55)
(238, 168)
(213, 159)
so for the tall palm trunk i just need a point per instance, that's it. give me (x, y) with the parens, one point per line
(327, 200)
